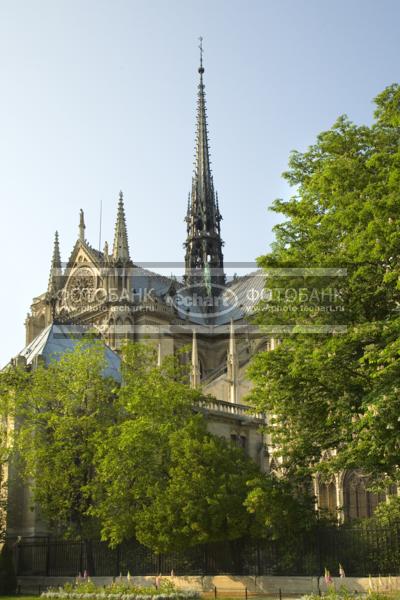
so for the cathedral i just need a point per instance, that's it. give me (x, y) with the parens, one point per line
(205, 310)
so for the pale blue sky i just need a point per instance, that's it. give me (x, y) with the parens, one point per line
(99, 95)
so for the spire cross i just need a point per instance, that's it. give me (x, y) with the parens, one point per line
(201, 69)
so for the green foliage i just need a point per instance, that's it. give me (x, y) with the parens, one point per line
(203, 499)
(344, 594)
(136, 461)
(59, 411)
(281, 510)
(388, 513)
(120, 586)
(142, 594)
(10, 379)
(162, 478)
(337, 389)
(8, 579)
(82, 585)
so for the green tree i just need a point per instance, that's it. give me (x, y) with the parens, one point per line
(281, 510)
(10, 379)
(3, 476)
(203, 499)
(162, 478)
(58, 410)
(131, 460)
(331, 386)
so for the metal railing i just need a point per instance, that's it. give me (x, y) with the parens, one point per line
(361, 550)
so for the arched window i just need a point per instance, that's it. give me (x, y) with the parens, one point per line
(359, 502)
(327, 496)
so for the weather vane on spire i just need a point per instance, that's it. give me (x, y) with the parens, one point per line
(201, 69)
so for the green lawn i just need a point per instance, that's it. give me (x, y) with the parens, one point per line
(20, 597)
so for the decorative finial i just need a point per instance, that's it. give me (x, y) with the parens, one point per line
(56, 267)
(82, 226)
(201, 68)
(120, 246)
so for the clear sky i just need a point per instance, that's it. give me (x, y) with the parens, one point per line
(100, 95)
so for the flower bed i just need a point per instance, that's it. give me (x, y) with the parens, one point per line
(85, 589)
(103, 594)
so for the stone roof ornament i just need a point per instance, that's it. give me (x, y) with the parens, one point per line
(56, 267)
(82, 226)
(121, 246)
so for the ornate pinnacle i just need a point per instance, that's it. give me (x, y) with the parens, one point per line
(82, 226)
(56, 267)
(120, 246)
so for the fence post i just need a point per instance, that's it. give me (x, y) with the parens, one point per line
(205, 559)
(47, 557)
(159, 564)
(215, 591)
(17, 561)
(81, 569)
(118, 555)
(318, 546)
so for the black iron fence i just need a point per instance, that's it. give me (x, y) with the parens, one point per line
(361, 550)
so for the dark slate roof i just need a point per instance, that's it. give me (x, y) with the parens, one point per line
(146, 279)
(248, 290)
(237, 301)
(55, 340)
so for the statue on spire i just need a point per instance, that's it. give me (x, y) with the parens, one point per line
(82, 226)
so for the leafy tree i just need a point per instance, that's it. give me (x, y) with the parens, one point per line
(387, 513)
(204, 494)
(281, 510)
(10, 379)
(333, 396)
(162, 477)
(134, 460)
(58, 411)
(3, 481)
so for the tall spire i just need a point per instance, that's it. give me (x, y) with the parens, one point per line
(56, 268)
(82, 226)
(204, 258)
(121, 247)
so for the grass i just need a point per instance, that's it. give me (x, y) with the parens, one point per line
(22, 597)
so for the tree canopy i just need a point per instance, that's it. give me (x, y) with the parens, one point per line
(331, 387)
(170, 482)
(58, 411)
(132, 460)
